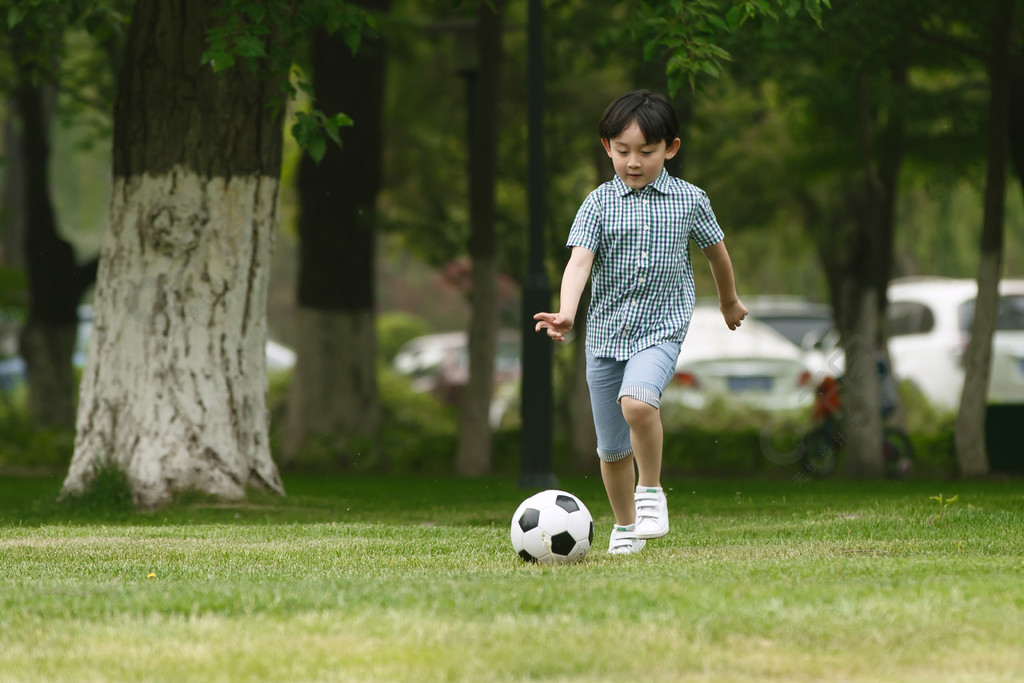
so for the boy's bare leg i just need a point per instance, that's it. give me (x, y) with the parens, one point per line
(619, 482)
(647, 436)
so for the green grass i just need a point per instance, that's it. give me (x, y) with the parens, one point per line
(403, 579)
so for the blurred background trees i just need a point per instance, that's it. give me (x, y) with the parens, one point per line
(837, 156)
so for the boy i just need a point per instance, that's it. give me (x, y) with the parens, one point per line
(632, 234)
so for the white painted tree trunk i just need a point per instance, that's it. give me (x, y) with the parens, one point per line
(174, 390)
(861, 421)
(333, 396)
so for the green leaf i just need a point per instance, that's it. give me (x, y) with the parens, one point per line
(14, 16)
(317, 147)
(734, 16)
(249, 46)
(711, 69)
(719, 22)
(353, 35)
(256, 12)
(222, 61)
(342, 120)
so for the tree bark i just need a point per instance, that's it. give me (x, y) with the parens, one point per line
(12, 218)
(858, 314)
(970, 420)
(56, 283)
(334, 393)
(890, 164)
(1015, 119)
(582, 434)
(174, 390)
(861, 416)
(334, 384)
(474, 454)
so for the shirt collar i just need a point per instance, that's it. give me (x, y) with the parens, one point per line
(661, 184)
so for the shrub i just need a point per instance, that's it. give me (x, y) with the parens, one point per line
(25, 444)
(394, 328)
(418, 432)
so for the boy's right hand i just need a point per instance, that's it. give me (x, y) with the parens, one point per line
(557, 324)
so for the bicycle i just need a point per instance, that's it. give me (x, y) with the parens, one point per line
(823, 451)
(823, 446)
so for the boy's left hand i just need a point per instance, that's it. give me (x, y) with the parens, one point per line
(734, 313)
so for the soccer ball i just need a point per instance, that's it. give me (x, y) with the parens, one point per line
(552, 527)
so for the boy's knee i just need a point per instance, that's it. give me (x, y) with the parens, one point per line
(636, 412)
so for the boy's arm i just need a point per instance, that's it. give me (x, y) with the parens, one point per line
(574, 279)
(729, 302)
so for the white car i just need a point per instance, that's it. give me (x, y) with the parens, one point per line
(797, 319)
(753, 366)
(929, 328)
(439, 364)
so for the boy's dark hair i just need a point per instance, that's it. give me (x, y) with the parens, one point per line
(651, 111)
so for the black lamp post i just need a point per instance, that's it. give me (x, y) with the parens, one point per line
(535, 453)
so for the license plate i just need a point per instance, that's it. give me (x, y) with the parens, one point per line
(750, 384)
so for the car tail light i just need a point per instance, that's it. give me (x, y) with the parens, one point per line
(687, 379)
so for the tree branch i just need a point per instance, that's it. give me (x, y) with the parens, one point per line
(955, 44)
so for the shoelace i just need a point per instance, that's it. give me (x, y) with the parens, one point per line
(646, 506)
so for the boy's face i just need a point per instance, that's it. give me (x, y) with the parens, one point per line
(637, 161)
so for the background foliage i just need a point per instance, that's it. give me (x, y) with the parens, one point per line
(761, 118)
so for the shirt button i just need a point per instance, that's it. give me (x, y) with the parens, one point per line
(643, 279)
(634, 303)
(626, 328)
(647, 227)
(644, 254)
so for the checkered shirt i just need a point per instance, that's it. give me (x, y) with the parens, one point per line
(642, 291)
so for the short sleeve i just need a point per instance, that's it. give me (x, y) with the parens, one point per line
(705, 230)
(586, 228)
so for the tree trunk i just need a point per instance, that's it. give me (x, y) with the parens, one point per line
(582, 434)
(12, 217)
(334, 384)
(1015, 118)
(334, 394)
(858, 315)
(970, 420)
(890, 163)
(56, 283)
(861, 416)
(473, 456)
(174, 390)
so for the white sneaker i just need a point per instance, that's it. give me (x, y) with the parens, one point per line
(651, 512)
(623, 541)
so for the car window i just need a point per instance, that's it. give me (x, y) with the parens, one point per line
(1010, 316)
(796, 327)
(909, 317)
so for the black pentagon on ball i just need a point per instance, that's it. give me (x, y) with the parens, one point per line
(563, 543)
(590, 538)
(567, 503)
(527, 556)
(529, 519)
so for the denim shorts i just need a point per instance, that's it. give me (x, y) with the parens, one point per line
(643, 377)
